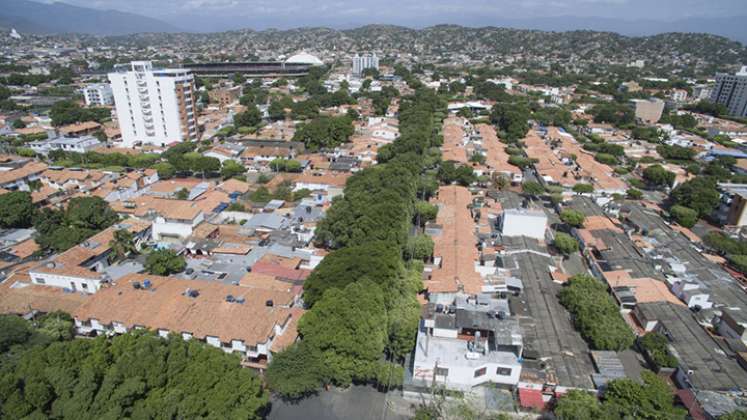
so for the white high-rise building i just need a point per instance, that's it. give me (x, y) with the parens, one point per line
(366, 61)
(154, 106)
(98, 94)
(731, 92)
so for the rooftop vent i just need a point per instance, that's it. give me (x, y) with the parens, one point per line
(240, 300)
(136, 285)
(147, 284)
(191, 293)
(230, 299)
(269, 303)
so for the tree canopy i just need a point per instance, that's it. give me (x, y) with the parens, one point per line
(135, 375)
(16, 209)
(325, 132)
(59, 230)
(163, 262)
(595, 314)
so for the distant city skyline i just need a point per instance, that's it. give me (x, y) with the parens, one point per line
(218, 15)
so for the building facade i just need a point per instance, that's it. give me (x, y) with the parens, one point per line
(366, 61)
(98, 94)
(731, 92)
(154, 106)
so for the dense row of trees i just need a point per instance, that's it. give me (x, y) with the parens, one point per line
(623, 399)
(595, 314)
(45, 374)
(363, 309)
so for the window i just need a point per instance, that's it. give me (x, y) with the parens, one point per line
(480, 372)
(84, 285)
(442, 371)
(503, 371)
(40, 280)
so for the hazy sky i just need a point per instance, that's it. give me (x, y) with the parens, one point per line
(226, 14)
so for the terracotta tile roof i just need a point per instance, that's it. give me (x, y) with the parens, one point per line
(286, 268)
(79, 127)
(268, 281)
(645, 289)
(453, 147)
(170, 209)
(171, 186)
(496, 157)
(165, 306)
(71, 261)
(336, 179)
(26, 170)
(456, 244)
(600, 223)
(19, 296)
(234, 185)
(29, 131)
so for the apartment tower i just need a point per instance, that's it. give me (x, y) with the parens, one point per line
(731, 92)
(154, 106)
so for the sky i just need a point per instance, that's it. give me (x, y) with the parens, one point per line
(213, 15)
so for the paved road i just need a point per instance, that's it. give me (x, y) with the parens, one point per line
(356, 402)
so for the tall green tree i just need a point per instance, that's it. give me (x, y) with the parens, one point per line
(16, 209)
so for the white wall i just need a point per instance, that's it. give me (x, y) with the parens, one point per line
(63, 281)
(160, 91)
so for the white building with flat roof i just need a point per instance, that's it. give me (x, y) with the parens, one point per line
(98, 94)
(363, 62)
(81, 144)
(154, 106)
(524, 222)
(467, 343)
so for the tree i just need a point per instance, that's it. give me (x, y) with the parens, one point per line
(377, 261)
(478, 158)
(13, 330)
(572, 217)
(249, 118)
(164, 262)
(182, 194)
(419, 247)
(699, 194)
(577, 404)
(634, 194)
(134, 375)
(532, 188)
(296, 372)
(90, 213)
(425, 212)
(18, 124)
(583, 188)
(684, 216)
(626, 398)
(352, 349)
(58, 326)
(276, 111)
(16, 209)
(325, 132)
(122, 244)
(596, 315)
(165, 170)
(658, 176)
(231, 169)
(655, 345)
(565, 243)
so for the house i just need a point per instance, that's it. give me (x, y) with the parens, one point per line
(472, 341)
(733, 324)
(169, 218)
(18, 178)
(252, 322)
(66, 144)
(226, 151)
(84, 267)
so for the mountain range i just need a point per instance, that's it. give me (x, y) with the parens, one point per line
(42, 18)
